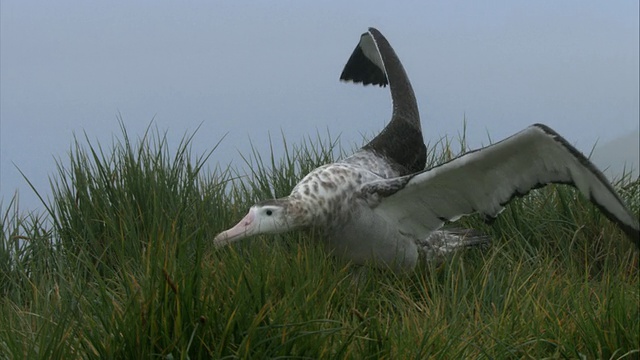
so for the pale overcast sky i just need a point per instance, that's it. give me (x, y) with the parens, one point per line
(251, 69)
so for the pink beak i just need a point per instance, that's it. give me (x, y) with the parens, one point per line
(242, 229)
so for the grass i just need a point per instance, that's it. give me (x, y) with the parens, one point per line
(122, 266)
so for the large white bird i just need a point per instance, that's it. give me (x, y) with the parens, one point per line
(380, 206)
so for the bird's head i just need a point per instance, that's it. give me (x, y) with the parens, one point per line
(267, 217)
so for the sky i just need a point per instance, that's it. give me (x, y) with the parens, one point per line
(250, 69)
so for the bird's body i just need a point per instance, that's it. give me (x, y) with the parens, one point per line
(380, 206)
(329, 199)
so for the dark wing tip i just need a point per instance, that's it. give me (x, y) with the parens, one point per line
(361, 69)
(631, 230)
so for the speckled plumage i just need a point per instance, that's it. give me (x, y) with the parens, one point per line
(339, 198)
(326, 194)
(380, 206)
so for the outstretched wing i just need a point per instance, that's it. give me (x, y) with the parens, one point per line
(399, 147)
(485, 180)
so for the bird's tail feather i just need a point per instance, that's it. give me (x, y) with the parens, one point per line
(442, 243)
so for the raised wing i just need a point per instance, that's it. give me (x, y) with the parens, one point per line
(485, 180)
(400, 144)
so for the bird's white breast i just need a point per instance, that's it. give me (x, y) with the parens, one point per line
(369, 238)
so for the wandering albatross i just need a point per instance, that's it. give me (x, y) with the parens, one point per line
(381, 206)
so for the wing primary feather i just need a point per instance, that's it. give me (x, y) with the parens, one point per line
(629, 229)
(365, 65)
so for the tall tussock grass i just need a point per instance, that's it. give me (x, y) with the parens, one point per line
(116, 206)
(122, 265)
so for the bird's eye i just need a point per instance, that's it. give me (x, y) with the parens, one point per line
(269, 212)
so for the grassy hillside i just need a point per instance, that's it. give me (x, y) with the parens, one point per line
(621, 155)
(123, 266)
